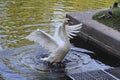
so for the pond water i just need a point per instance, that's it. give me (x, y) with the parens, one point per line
(18, 18)
(24, 64)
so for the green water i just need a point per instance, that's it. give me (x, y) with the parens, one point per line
(20, 17)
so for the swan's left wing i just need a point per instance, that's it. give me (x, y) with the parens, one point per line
(73, 29)
(44, 39)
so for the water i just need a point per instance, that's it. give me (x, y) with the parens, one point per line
(24, 64)
(18, 18)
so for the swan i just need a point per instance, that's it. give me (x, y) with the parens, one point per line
(58, 44)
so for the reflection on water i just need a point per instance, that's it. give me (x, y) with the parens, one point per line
(20, 17)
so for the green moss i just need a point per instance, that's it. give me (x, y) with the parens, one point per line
(113, 22)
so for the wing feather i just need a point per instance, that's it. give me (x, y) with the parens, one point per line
(73, 29)
(44, 39)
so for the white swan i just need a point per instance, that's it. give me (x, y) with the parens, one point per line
(59, 44)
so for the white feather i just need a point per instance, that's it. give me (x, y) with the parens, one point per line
(44, 39)
(73, 29)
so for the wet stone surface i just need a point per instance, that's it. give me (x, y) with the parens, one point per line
(24, 64)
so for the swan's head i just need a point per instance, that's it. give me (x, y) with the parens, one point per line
(68, 21)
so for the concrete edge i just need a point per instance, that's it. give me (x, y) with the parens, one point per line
(96, 33)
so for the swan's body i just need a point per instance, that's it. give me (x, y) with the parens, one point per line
(59, 44)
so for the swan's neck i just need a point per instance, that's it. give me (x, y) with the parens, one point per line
(62, 32)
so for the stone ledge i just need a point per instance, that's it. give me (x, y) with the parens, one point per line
(96, 33)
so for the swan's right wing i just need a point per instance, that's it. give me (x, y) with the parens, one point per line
(44, 39)
(73, 29)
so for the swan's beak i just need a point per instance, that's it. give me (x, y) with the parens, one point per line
(69, 22)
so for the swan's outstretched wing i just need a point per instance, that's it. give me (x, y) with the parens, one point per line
(73, 29)
(44, 39)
